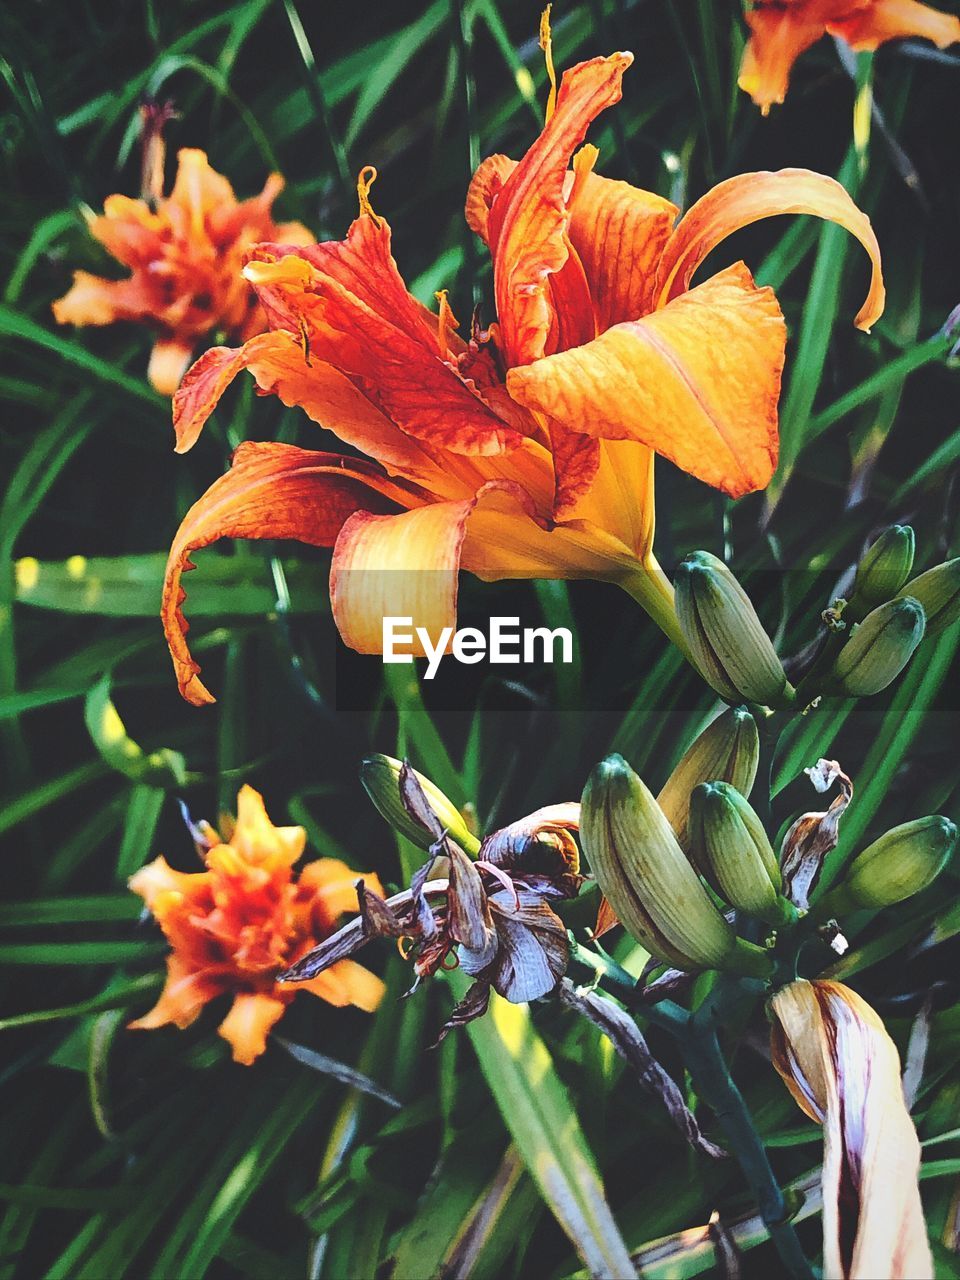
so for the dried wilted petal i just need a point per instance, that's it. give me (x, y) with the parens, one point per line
(813, 836)
(843, 1070)
(626, 1038)
(540, 850)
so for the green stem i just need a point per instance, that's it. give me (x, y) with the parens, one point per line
(613, 978)
(653, 590)
(714, 1084)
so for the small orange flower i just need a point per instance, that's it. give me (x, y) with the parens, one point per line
(780, 30)
(185, 253)
(525, 451)
(236, 925)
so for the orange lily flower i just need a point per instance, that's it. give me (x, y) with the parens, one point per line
(780, 30)
(185, 252)
(843, 1070)
(236, 925)
(525, 451)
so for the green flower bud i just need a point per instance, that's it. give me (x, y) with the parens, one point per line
(884, 569)
(938, 590)
(727, 642)
(731, 848)
(380, 776)
(728, 749)
(898, 865)
(646, 878)
(879, 648)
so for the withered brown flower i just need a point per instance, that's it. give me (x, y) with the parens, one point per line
(490, 917)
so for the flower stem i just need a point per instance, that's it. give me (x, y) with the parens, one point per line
(714, 1084)
(653, 590)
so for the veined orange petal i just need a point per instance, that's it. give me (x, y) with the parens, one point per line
(333, 886)
(485, 185)
(619, 232)
(528, 219)
(168, 362)
(198, 189)
(843, 1070)
(93, 300)
(751, 196)
(251, 1018)
(185, 993)
(400, 371)
(270, 491)
(576, 461)
(400, 566)
(778, 36)
(344, 983)
(158, 877)
(257, 840)
(279, 365)
(890, 19)
(697, 381)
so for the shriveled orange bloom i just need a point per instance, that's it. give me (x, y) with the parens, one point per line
(185, 253)
(524, 451)
(843, 1070)
(234, 926)
(780, 30)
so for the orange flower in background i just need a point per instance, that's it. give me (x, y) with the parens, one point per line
(234, 926)
(185, 252)
(780, 30)
(523, 451)
(843, 1070)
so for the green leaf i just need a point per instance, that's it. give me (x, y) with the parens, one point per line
(119, 750)
(542, 1120)
(129, 586)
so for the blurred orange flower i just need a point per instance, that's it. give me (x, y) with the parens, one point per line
(185, 252)
(843, 1070)
(526, 450)
(236, 925)
(780, 30)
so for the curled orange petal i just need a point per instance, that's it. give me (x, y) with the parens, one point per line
(778, 36)
(270, 491)
(398, 566)
(751, 196)
(697, 381)
(345, 983)
(527, 221)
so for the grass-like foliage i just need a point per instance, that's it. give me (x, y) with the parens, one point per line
(521, 1145)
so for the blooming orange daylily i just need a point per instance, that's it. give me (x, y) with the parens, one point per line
(844, 1071)
(234, 926)
(780, 30)
(185, 253)
(526, 450)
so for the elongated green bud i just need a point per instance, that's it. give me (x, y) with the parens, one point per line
(646, 878)
(728, 749)
(380, 776)
(728, 644)
(938, 590)
(879, 649)
(731, 848)
(898, 865)
(884, 569)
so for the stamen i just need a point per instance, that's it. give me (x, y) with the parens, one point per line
(368, 176)
(546, 44)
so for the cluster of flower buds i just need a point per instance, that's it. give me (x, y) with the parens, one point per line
(654, 883)
(889, 613)
(875, 632)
